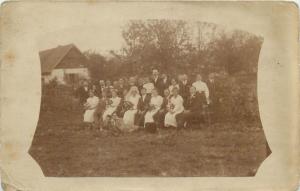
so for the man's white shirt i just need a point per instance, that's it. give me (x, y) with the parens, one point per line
(201, 87)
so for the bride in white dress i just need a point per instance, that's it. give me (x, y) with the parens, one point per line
(154, 106)
(175, 107)
(133, 99)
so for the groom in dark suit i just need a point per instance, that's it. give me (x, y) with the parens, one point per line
(184, 88)
(157, 82)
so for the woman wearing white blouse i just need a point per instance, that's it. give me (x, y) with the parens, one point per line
(112, 104)
(90, 107)
(175, 107)
(154, 106)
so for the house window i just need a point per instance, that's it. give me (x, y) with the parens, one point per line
(72, 78)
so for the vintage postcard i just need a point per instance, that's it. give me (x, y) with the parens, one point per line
(149, 95)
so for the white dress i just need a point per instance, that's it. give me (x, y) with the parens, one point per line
(170, 119)
(91, 104)
(156, 102)
(128, 117)
(110, 109)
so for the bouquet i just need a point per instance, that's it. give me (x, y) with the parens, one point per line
(170, 107)
(128, 105)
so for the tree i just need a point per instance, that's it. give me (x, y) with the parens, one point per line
(235, 52)
(176, 46)
(96, 63)
(165, 44)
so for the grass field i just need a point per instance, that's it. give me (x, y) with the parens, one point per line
(62, 147)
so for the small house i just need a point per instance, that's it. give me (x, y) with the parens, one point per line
(66, 64)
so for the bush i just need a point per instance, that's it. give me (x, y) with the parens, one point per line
(237, 99)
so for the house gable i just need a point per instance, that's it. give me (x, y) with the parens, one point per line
(73, 59)
(67, 56)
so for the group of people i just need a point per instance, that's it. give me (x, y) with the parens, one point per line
(138, 103)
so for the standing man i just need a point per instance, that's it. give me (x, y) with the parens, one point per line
(211, 84)
(165, 82)
(83, 92)
(157, 81)
(201, 87)
(184, 87)
(101, 87)
(213, 99)
(122, 85)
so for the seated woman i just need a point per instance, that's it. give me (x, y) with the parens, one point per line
(159, 117)
(132, 100)
(154, 106)
(111, 105)
(90, 106)
(175, 107)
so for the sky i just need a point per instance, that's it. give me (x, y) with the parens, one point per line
(104, 38)
(100, 29)
(100, 38)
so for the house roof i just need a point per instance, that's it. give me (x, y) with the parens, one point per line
(51, 58)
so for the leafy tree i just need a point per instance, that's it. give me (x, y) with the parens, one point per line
(176, 46)
(156, 43)
(95, 65)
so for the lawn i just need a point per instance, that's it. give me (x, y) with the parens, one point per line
(62, 147)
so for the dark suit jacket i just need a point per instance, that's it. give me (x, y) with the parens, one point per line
(165, 84)
(196, 102)
(165, 102)
(184, 90)
(82, 94)
(97, 91)
(158, 84)
(142, 105)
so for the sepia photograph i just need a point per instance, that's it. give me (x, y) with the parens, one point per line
(149, 95)
(162, 97)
